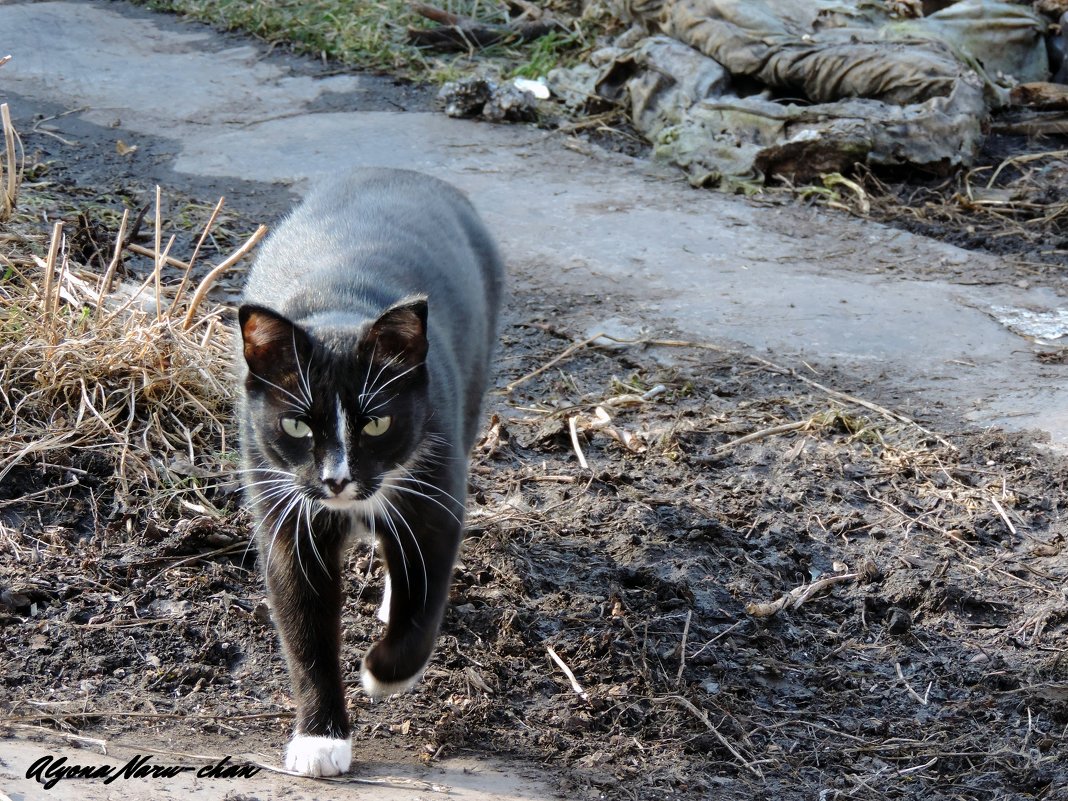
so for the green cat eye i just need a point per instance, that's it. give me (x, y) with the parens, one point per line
(377, 426)
(295, 427)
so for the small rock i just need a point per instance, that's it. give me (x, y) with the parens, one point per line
(898, 621)
(465, 98)
(509, 103)
(478, 97)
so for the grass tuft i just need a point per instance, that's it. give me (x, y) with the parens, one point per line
(373, 35)
(130, 383)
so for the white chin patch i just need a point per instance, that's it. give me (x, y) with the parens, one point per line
(383, 689)
(339, 503)
(318, 756)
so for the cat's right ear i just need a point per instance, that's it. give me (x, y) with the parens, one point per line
(273, 346)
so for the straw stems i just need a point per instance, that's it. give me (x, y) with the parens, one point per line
(51, 288)
(116, 258)
(211, 277)
(10, 172)
(158, 266)
(196, 252)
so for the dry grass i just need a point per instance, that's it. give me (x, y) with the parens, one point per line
(1015, 206)
(10, 165)
(127, 382)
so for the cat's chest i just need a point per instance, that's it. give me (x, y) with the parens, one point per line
(359, 532)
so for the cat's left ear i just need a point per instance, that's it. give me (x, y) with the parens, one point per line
(399, 335)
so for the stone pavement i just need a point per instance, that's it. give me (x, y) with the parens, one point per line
(796, 284)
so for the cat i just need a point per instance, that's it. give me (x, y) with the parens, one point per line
(367, 326)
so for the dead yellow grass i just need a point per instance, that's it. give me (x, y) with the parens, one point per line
(10, 166)
(128, 382)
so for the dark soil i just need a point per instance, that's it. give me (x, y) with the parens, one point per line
(933, 667)
(1011, 204)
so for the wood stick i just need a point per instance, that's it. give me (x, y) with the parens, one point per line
(797, 596)
(1004, 516)
(572, 425)
(11, 190)
(196, 252)
(682, 647)
(912, 692)
(763, 434)
(440, 15)
(567, 672)
(50, 269)
(144, 285)
(141, 250)
(688, 705)
(211, 277)
(466, 33)
(159, 261)
(569, 351)
(116, 257)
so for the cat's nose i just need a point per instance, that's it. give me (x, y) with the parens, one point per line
(336, 485)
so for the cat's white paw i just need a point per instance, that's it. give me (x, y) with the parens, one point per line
(318, 756)
(383, 689)
(387, 593)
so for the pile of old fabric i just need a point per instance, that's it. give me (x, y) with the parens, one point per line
(743, 90)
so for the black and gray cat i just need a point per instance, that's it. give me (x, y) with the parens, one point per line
(367, 327)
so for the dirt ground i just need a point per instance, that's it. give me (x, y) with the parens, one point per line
(928, 663)
(764, 584)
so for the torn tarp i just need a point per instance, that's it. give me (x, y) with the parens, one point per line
(741, 90)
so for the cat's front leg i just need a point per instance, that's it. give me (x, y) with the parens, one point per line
(419, 551)
(304, 585)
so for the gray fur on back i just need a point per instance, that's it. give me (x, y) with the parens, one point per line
(359, 244)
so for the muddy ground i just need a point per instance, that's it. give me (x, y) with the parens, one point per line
(931, 664)
(927, 662)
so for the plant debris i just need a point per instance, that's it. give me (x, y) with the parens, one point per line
(760, 583)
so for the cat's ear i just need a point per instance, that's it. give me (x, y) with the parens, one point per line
(272, 344)
(399, 335)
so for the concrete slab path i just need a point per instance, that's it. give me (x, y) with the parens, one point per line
(795, 283)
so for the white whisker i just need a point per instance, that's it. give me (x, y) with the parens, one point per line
(311, 535)
(397, 377)
(305, 388)
(415, 542)
(396, 536)
(301, 407)
(420, 494)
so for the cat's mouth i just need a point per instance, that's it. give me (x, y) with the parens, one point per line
(349, 499)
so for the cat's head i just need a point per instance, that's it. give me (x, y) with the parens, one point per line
(340, 410)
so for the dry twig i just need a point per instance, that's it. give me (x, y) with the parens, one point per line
(581, 693)
(456, 32)
(10, 169)
(797, 596)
